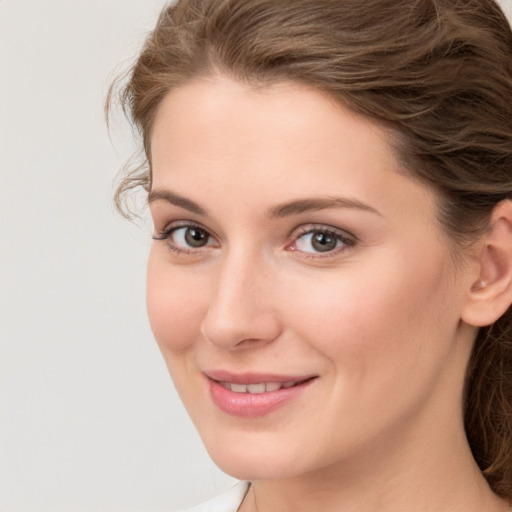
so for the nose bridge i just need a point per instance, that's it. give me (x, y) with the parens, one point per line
(240, 308)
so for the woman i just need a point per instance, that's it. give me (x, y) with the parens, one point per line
(330, 281)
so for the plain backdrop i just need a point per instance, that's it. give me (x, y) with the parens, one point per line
(89, 418)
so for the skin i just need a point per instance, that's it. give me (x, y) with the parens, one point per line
(377, 320)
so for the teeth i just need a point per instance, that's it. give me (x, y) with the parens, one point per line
(239, 388)
(257, 388)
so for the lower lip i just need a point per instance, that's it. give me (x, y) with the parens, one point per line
(250, 405)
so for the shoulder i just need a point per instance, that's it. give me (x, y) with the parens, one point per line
(226, 502)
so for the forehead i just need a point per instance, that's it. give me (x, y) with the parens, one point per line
(274, 143)
(283, 107)
(217, 117)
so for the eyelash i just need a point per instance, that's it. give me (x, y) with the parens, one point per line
(166, 235)
(347, 240)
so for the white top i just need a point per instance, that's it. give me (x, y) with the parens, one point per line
(226, 502)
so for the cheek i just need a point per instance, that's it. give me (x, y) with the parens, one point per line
(386, 323)
(175, 304)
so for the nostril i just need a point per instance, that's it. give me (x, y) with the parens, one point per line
(241, 333)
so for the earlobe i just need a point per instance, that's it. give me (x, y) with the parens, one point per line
(490, 295)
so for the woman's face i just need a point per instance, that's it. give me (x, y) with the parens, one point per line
(300, 288)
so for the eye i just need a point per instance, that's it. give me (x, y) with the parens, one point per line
(190, 237)
(186, 238)
(321, 240)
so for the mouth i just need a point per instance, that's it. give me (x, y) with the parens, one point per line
(252, 395)
(264, 387)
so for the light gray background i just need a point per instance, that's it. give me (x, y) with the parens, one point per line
(89, 419)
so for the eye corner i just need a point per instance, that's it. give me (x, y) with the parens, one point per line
(159, 236)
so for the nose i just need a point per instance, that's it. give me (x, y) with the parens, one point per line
(241, 312)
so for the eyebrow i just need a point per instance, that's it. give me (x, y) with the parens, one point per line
(176, 200)
(315, 204)
(295, 207)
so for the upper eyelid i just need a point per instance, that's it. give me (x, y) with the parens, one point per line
(173, 226)
(309, 228)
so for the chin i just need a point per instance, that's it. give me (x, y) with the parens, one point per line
(250, 463)
(250, 470)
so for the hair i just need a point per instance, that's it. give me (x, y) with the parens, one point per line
(437, 73)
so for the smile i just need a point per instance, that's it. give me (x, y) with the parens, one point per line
(250, 395)
(258, 388)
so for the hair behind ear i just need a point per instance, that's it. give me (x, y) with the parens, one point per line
(488, 393)
(488, 403)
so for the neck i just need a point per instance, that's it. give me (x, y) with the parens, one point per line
(370, 485)
(399, 472)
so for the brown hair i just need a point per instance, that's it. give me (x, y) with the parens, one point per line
(437, 72)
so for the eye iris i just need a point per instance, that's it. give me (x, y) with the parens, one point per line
(196, 237)
(323, 242)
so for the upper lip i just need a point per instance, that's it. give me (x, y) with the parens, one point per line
(253, 377)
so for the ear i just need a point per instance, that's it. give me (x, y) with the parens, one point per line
(490, 294)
